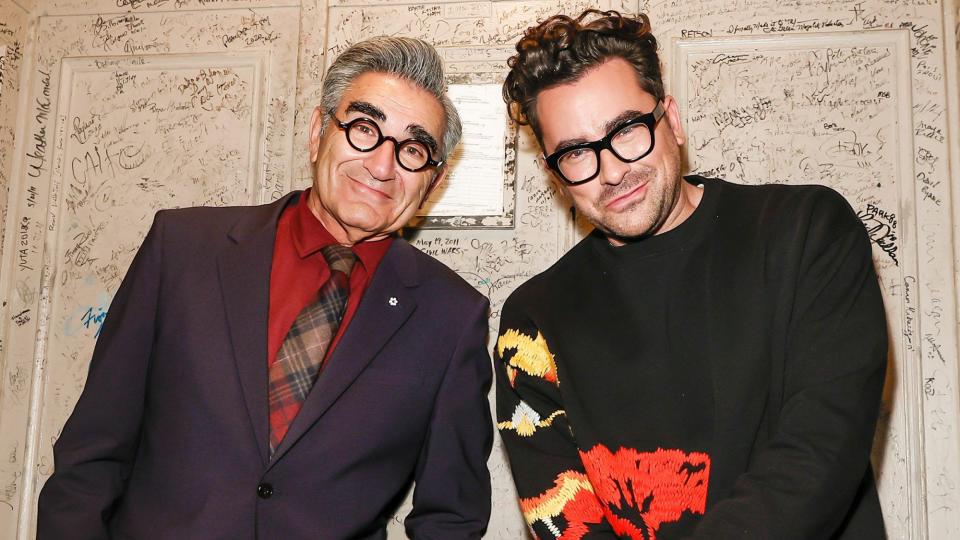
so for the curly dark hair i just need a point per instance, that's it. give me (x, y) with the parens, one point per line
(561, 49)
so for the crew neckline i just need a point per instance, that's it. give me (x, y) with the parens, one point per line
(680, 236)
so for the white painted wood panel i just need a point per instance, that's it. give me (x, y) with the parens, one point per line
(14, 27)
(130, 112)
(119, 107)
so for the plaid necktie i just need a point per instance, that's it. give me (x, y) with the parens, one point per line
(298, 362)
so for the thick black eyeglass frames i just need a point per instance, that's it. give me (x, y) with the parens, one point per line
(364, 135)
(628, 141)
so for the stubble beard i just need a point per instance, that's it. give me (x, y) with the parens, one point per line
(642, 218)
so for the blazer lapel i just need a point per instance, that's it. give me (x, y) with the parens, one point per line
(386, 305)
(244, 269)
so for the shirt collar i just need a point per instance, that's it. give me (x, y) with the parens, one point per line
(310, 236)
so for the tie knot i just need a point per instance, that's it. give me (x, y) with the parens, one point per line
(340, 258)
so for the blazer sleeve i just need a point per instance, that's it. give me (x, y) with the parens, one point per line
(451, 497)
(557, 498)
(804, 480)
(94, 453)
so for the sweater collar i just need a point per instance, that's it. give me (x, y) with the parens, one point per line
(700, 222)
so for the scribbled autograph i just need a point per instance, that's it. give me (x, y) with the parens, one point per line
(94, 317)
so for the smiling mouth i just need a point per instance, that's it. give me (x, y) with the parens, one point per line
(367, 187)
(624, 200)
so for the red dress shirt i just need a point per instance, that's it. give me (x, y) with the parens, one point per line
(299, 270)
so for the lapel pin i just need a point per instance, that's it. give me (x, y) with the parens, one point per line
(392, 301)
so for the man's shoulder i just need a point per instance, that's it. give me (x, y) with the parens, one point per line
(200, 219)
(196, 222)
(555, 279)
(434, 273)
(789, 205)
(784, 197)
(219, 216)
(201, 232)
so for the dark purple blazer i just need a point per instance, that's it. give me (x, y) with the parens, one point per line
(169, 437)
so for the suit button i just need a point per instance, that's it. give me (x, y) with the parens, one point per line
(265, 491)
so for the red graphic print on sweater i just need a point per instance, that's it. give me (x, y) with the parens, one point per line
(642, 490)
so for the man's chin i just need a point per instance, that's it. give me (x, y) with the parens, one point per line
(369, 225)
(623, 232)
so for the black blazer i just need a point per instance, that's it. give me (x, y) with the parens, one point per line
(169, 437)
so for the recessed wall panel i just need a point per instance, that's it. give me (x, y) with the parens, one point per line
(830, 109)
(128, 113)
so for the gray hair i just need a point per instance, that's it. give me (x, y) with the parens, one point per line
(412, 59)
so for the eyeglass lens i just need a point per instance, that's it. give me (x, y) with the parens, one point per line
(365, 135)
(629, 143)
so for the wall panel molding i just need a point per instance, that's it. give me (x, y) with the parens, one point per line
(128, 113)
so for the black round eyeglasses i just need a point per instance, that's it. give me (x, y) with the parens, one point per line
(364, 135)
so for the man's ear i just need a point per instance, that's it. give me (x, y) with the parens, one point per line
(437, 180)
(316, 130)
(673, 118)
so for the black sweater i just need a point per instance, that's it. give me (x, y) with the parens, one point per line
(720, 380)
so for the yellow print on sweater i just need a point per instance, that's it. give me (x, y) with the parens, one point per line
(531, 356)
(571, 498)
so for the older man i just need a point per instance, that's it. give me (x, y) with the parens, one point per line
(709, 362)
(286, 370)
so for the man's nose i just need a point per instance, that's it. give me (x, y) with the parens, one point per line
(381, 162)
(612, 170)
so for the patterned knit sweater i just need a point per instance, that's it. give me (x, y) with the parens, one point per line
(720, 380)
